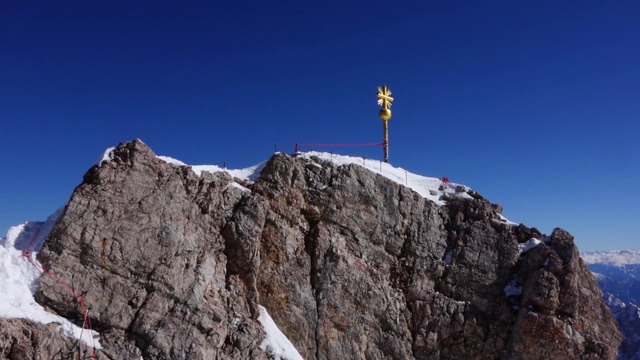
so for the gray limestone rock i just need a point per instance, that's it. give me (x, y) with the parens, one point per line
(349, 264)
(24, 339)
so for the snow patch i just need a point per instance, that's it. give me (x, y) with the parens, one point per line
(249, 174)
(19, 279)
(106, 156)
(507, 221)
(275, 341)
(530, 244)
(171, 160)
(238, 186)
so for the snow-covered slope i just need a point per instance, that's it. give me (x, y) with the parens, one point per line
(19, 278)
(427, 187)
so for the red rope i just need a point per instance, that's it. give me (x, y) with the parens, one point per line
(78, 296)
(342, 144)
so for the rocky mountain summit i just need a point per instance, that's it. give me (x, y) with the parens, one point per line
(350, 265)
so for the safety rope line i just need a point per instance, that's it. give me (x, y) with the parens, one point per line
(311, 145)
(343, 144)
(86, 323)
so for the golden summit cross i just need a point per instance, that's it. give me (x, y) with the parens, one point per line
(385, 100)
(384, 97)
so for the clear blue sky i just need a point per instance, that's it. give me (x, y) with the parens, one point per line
(535, 104)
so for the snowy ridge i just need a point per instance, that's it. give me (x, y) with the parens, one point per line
(250, 174)
(19, 279)
(428, 187)
(613, 257)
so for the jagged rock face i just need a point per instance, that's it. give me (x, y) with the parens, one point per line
(349, 264)
(143, 239)
(24, 339)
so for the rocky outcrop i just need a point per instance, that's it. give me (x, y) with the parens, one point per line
(564, 290)
(349, 264)
(24, 339)
(143, 241)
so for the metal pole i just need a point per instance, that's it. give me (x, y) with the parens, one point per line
(385, 100)
(385, 144)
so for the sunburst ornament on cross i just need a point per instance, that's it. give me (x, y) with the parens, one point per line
(385, 100)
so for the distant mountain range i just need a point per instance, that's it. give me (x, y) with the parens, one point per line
(618, 273)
